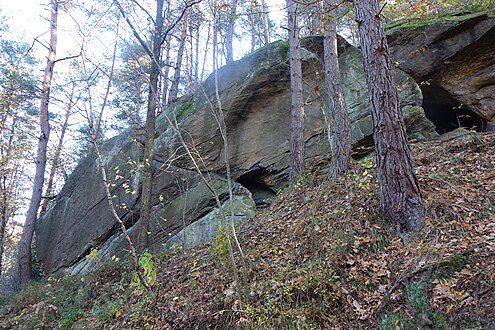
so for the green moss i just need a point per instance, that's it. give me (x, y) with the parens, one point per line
(284, 49)
(417, 300)
(469, 325)
(413, 22)
(284, 45)
(395, 321)
(440, 320)
(184, 108)
(448, 268)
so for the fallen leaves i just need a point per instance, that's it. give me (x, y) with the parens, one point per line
(322, 256)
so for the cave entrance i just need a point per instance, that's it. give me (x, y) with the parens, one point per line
(262, 195)
(446, 113)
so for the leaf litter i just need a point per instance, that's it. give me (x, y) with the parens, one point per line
(321, 257)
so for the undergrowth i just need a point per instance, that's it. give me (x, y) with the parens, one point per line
(321, 257)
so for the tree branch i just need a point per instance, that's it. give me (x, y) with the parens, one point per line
(134, 30)
(67, 58)
(145, 11)
(171, 27)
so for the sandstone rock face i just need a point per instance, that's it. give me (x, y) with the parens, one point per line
(454, 62)
(255, 96)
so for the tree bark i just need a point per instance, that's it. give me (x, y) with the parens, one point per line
(313, 17)
(252, 22)
(174, 88)
(266, 22)
(56, 157)
(143, 236)
(24, 257)
(166, 70)
(296, 159)
(340, 131)
(229, 33)
(159, 37)
(3, 228)
(8, 179)
(196, 61)
(400, 198)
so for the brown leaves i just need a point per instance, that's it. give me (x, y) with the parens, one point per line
(321, 256)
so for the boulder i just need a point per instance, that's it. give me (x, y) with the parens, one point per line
(255, 97)
(451, 57)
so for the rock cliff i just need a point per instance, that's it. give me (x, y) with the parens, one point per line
(452, 58)
(255, 95)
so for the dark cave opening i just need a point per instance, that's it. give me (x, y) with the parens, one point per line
(261, 193)
(446, 113)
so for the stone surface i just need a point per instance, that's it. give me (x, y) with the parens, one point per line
(454, 56)
(255, 95)
(206, 229)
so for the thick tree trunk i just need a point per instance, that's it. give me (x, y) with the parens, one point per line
(143, 240)
(24, 257)
(229, 33)
(340, 130)
(174, 88)
(400, 198)
(296, 159)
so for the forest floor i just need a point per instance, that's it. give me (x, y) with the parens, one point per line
(319, 258)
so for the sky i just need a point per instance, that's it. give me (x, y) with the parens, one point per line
(28, 20)
(25, 17)
(28, 16)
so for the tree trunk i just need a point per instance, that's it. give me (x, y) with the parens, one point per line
(296, 159)
(400, 198)
(3, 228)
(196, 61)
(24, 258)
(340, 130)
(205, 54)
(313, 17)
(166, 70)
(56, 157)
(174, 88)
(266, 23)
(229, 33)
(8, 179)
(143, 240)
(252, 23)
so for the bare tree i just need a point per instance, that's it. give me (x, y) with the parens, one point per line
(17, 92)
(150, 131)
(340, 130)
(296, 159)
(266, 22)
(58, 152)
(174, 88)
(229, 33)
(400, 198)
(24, 257)
(159, 37)
(312, 16)
(259, 27)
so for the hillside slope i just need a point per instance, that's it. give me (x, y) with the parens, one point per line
(319, 258)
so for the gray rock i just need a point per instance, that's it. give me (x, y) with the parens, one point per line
(255, 95)
(206, 229)
(452, 54)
